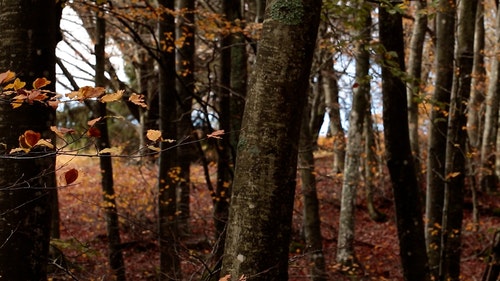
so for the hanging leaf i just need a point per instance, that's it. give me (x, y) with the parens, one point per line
(45, 143)
(40, 83)
(154, 148)
(112, 97)
(153, 135)
(16, 85)
(29, 139)
(111, 150)
(216, 134)
(94, 132)
(7, 76)
(60, 132)
(94, 121)
(70, 176)
(86, 92)
(138, 100)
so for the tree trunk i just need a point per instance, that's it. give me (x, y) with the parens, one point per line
(361, 90)
(488, 178)
(184, 84)
(331, 89)
(106, 167)
(398, 151)
(438, 130)
(416, 84)
(169, 171)
(312, 221)
(27, 184)
(258, 233)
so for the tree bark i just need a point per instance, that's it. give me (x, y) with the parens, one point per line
(30, 32)
(361, 90)
(169, 170)
(258, 233)
(312, 221)
(398, 151)
(445, 30)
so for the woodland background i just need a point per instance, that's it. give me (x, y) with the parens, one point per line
(187, 138)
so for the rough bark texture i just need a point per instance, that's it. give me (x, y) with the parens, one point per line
(312, 221)
(169, 170)
(345, 251)
(488, 178)
(455, 170)
(106, 166)
(30, 31)
(398, 151)
(445, 28)
(260, 215)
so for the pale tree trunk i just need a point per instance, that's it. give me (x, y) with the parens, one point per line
(455, 169)
(27, 185)
(478, 93)
(312, 221)
(488, 178)
(331, 90)
(106, 167)
(398, 151)
(169, 171)
(184, 84)
(445, 30)
(361, 90)
(259, 226)
(416, 83)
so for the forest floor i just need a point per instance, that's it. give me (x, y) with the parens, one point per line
(83, 239)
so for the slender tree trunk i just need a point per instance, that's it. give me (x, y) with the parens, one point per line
(331, 89)
(169, 170)
(416, 84)
(488, 178)
(318, 110)
(455, 169)
(361, 90)
(185, 89)
(445, 33)
(260, 215)
(27, 182)
(312, 222)
(398, 151)
(106, 167)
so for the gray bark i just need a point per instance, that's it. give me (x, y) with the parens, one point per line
(258, 233)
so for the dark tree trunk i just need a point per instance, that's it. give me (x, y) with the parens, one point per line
(260, 215)
(168, 173)
(27, 182)
(106, 166)
(312, 221)
(398, 151)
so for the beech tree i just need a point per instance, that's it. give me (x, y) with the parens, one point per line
(259, 225)
(27, 186)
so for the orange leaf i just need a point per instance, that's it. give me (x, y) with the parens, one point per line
(216, 134)
(86, 92)
(16, 85)
(94, 132)
(153, 135)
(40, 83)
(93, 121)
(29, 139)
(112, 97)
(6, 76)
(137, 99)
(71, 175)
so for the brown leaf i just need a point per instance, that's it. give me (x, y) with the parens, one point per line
(7, 76)
(40, 83)
(216, 134)
(94, 132)
(153, 135)
(138, 99)
(94, 121)
(71, 175)
(29, 139)
(112, 97)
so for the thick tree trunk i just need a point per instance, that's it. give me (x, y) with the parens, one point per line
(398, 151)
(30, 32)
(361, 90)
(312, 222)
(169, 171)
(438, 132)
(106, 167)
(260, 215)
